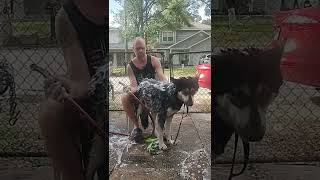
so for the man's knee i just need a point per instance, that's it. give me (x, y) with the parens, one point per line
(125, 99)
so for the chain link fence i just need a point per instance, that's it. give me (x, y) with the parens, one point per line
(178, 64)
(26, 37)
(184, 64)
(118, 62)
(293, 119)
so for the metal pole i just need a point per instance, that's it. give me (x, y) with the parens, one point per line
(126, 37)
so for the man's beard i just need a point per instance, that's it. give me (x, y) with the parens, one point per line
(141, 55)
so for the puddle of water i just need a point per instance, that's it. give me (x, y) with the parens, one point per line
(195, 165)
(116, 145)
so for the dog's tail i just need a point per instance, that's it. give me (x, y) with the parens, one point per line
(144, 119)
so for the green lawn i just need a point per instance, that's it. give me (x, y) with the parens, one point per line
(249, 31)
(41, 28)
(177, 71)
(252, 30)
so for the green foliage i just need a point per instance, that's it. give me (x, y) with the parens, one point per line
(148, 17)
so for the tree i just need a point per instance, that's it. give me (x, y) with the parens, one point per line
(147, 17)
(207, 4)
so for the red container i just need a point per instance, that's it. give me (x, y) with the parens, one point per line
(204, 72)
(301, 59)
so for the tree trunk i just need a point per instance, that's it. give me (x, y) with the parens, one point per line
(231, 12)
(141, 25)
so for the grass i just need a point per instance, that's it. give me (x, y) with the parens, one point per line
(177, 71)
(251, 30)
(248, 31)
(41, 28)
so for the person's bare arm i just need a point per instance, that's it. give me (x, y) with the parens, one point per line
(132, 78)
(159, 71)
(77, 78)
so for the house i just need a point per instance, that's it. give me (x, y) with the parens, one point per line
(196, 37)
(117, 48)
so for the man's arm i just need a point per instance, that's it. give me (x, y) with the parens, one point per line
(77, 70)
(159, 71)
(132, 78)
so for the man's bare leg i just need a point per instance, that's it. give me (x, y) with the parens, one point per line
(127, 103)
(60, 139)
(129, 109)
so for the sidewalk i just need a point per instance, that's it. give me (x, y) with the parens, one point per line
(270, 171)
(189, 159)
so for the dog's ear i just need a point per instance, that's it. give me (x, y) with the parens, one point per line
(195, 81)
(270, 66)
(197, 77)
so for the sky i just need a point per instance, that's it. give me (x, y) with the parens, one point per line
(114, 7)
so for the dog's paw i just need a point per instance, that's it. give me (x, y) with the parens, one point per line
(162, 146)
(170, 141)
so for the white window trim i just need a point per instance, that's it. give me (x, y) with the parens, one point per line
(168, 42)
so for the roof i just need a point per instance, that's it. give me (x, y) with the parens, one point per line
(208, 38)
(191, 40)
(196, 26)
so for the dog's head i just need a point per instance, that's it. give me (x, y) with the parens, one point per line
(245, 83)
(186, 88)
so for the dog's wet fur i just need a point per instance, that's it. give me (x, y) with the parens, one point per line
(245, 83)
(164, 99)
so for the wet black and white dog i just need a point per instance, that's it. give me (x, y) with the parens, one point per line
(245, 83)
(164, 99)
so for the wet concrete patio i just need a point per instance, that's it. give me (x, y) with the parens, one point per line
(188, 159)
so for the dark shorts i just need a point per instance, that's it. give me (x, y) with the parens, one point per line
(93, 41)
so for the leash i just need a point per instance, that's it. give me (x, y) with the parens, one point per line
(140, 102)
(246, 148)
(175, 139)
(145, 108)
(47, 74)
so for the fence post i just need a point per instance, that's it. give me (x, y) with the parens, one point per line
(5, 24)
(171, 64)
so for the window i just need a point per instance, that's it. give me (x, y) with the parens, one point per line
(167, 36)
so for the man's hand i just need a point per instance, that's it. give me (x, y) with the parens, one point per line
(126, 89)
(55, 90)
(58, 88)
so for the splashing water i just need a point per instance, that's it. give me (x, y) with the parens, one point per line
(117, 145)
(193, 164)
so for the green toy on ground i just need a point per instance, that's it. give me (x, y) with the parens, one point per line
(153, 145)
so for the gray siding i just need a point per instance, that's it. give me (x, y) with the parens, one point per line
(208, 31)
(192, 40)
(203, 46)
(181, 34)
(259, 5)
